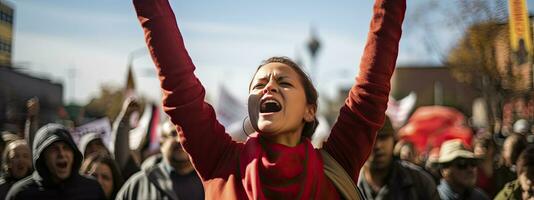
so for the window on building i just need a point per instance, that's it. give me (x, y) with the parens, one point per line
(5, 17)
(5, 47)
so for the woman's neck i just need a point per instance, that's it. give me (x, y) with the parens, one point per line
(290, 139)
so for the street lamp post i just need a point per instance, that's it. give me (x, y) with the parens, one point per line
(313, 46)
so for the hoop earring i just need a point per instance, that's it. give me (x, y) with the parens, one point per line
(243, 126)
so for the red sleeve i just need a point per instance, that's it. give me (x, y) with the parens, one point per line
(203, 137)
(354, 132)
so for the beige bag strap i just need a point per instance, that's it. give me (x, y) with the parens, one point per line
(342, 181)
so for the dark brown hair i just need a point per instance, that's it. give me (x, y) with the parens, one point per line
(96, 158)
(485, 140)
(525, 160)
(309, 90)
(519, 143)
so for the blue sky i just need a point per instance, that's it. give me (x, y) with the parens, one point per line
(226, 39)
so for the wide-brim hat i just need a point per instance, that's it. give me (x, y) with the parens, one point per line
(453, 149)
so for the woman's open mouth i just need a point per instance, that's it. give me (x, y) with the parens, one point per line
(270, 106)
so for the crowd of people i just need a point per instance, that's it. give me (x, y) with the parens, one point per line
(487, 168)
(363, 157)
(55, 167)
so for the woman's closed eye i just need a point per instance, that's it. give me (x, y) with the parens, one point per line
(286, 84)
(258, 86)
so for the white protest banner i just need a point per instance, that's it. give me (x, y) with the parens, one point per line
(101, 126)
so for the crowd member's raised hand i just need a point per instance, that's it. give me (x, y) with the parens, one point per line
(33, 107)
(32, 118)
(130, 105)
(127, 160)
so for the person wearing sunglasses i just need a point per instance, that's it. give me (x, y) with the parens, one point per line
(458, 168)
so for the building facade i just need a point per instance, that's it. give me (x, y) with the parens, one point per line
(6, 33)
(16, 88)
(433, 85)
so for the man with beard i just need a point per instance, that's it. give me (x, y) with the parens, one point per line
(458, 168)
(385, 177)
(167, 176)
(57, 161)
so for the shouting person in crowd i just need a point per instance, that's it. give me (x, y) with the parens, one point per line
(458, 167)
(278, 161)
(56, 160)
(17, 164)
(6, 138)
(523, 186)
(385, 177)
(167, 176)
(106, 172)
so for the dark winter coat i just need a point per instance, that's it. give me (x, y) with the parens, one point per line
(40, 185)
(406, 181)
(154, 182)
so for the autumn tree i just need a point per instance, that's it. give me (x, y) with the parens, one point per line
(108, 103)
(480, 56)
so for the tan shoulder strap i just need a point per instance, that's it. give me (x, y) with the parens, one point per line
(342, 181)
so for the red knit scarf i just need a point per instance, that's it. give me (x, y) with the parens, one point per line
(275, 171)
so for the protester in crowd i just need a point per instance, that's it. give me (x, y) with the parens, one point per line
(17, 164)
(278, 161)
(6, 138)
(127, 160)
(2, 147)
(485, 149)
(523, 186)
(505, 170)
(492, 175)
(106, 172)
(56, 160)
(92, 143)
(167, 176)
(385, 177)
(458, 169)
(432, 165)
(406, 151)
(512, 147)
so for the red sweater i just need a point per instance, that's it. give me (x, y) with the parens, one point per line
(259, 169)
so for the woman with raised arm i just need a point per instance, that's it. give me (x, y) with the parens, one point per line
(278, 161)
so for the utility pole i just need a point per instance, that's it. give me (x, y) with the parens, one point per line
(72, 82)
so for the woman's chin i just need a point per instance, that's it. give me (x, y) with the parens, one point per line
(266, 128)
